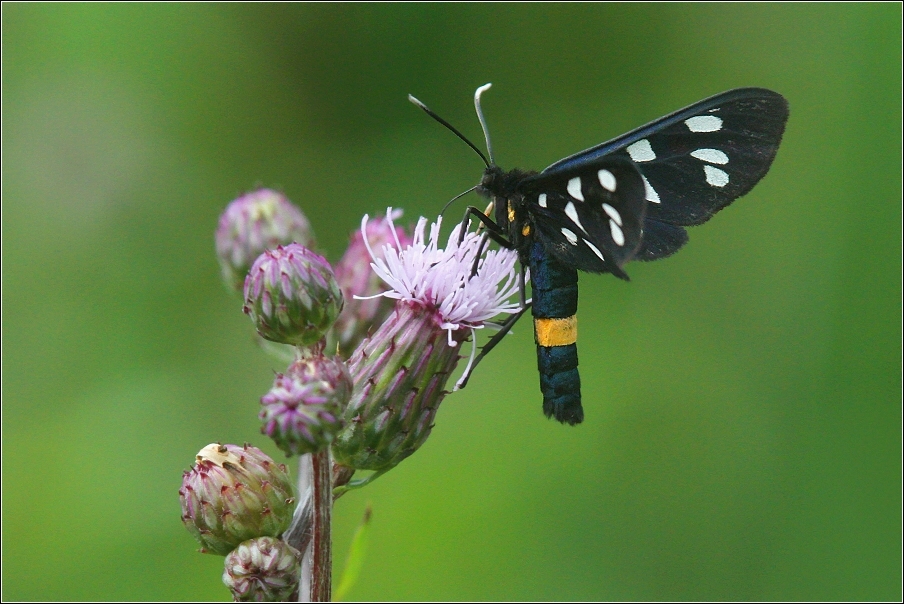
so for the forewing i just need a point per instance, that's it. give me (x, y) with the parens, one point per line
(591, 217)
(695, 161)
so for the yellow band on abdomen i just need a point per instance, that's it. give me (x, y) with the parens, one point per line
(556, 332)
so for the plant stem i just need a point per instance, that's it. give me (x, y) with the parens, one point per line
(299, 534)
(322, 542)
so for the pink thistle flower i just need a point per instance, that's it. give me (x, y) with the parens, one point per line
(363, 312)
(302, 411)
(400, 373)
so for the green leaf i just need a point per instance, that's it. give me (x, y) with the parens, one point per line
(355, 559)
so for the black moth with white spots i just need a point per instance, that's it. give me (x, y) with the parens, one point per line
(629, 198)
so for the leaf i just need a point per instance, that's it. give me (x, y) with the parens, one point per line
(355, 560)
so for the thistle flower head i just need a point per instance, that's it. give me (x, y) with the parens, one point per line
(363, 313)
(254, 223)
(302, 412)
(443, 278)
(400, 373)
(264, 569)
(292, 295)
(233, 494)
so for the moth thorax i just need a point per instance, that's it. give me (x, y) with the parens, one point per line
(502, 209)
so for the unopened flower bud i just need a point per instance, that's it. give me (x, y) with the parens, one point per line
(253, 223)
(356, 278)
(302, 413)
(292, 295)
(264, 569)
(233, 494)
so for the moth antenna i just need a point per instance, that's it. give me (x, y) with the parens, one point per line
(459, 196)
(450, 127)
(483, 121)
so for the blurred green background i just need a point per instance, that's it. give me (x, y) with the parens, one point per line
(743, 398)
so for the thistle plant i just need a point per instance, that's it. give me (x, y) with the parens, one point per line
(292, 296)
(365, 308)
(376, 340)
(232, 494)
(254, 223)
(303, 411)
(400, 373)
(263, 569)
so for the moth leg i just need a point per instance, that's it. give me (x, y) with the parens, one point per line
(493, 229)
(480, 249)
(486, 348)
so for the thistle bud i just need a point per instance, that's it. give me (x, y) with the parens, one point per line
(233, 494)
(356, 278)
(400, 375)
(443, 296)
(302, 412)
(254, 223)
(292, 295)
(262, 570)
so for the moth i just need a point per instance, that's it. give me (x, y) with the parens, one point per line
(629, 198)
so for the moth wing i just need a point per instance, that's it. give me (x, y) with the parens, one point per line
(695, 161)
(591, 217)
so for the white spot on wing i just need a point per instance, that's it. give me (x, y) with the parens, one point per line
(713, 156)
(574, 188)
(652, 195)
(607, 180)
(571, 237)
(617, 234)
(542, 200)
(715, 176)
(595, 250)
(641, 151)
(572, 213)
(613, 213)
(704, 123)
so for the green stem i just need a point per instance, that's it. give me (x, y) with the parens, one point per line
(356, 484)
